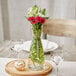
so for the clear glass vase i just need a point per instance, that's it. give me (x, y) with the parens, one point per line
(36, 49)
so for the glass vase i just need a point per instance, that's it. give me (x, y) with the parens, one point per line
(36, 49)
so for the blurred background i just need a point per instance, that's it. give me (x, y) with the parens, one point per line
(14, 26)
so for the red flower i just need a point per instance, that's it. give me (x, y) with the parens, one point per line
(40, 19)
(35, 20)
(32, 20)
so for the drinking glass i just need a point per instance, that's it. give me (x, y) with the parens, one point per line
(17, 49)
(57, 58)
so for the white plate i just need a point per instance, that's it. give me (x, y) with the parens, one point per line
(47, 45)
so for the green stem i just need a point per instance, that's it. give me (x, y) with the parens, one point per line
(36, 49)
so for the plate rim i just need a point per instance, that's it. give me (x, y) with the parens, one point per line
(56, 45)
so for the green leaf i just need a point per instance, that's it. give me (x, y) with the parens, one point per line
(46, 17)
(43, 11)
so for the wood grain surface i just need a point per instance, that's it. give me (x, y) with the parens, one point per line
(11, 70)
(60, 27)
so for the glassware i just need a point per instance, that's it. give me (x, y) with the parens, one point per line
(57, 58)
(17, 49)
(36, 49)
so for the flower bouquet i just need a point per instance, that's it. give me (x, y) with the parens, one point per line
(36, 16)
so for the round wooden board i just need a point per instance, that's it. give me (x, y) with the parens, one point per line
(10, 69)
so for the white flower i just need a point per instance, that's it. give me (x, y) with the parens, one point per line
(36, 11)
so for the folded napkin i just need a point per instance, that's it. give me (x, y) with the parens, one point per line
(18, 47)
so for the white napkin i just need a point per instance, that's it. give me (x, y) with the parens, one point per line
(18, 47)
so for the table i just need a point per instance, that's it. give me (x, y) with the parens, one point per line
(65, 69)
(6, 52)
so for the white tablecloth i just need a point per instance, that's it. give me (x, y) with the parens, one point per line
(65, 68)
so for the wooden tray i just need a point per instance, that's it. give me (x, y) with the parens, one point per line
(11, 70)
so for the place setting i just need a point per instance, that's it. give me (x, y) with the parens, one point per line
(21, 66)
(25, 46)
